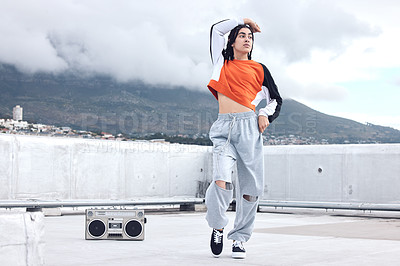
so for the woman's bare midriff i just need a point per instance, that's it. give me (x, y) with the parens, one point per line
(227, 105)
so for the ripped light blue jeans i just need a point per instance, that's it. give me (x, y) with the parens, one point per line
(236, 140)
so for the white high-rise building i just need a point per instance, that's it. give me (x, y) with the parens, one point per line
(17, 113)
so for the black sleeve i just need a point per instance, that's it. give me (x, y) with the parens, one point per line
(273, 92)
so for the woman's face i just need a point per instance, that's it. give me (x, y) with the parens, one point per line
(243, 43)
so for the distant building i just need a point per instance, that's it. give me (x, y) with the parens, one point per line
(159, 141)
(65, 129)
(17, 113)
(106, 135)
(18, 125)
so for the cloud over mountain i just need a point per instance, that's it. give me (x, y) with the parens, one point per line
(165, 42)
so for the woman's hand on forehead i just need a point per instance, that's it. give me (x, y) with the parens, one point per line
(254, 26)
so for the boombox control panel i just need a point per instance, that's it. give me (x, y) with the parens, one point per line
(115, 224)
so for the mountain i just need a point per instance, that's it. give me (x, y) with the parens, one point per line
(99, 103)
(300, 120)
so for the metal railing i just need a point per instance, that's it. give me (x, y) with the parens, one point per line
(186, 204)
(331, 205)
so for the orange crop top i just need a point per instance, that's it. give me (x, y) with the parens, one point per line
(240, 80)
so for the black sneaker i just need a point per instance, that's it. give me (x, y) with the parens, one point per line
(238, 251)
(216, 242)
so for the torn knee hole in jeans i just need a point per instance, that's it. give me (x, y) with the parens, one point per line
(224, 184)
(250, 198)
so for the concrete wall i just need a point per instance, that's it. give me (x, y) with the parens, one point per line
(348, 173)
(71, 168)
(21, 241)
(62, 168)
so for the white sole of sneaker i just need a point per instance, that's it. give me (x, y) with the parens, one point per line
(238, 255)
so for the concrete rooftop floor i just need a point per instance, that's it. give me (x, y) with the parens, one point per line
(286, 237)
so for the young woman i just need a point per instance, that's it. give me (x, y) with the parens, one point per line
(239, 84)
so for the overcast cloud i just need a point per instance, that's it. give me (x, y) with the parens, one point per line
(165, 42)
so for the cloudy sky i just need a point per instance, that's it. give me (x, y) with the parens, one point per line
(340, 57)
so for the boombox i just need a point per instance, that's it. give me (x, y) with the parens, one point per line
(115, 224)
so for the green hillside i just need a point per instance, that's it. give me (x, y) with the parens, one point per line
(102, 104)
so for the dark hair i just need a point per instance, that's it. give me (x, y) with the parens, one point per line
(228, 52)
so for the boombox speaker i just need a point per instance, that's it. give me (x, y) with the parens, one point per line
(115, 224)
